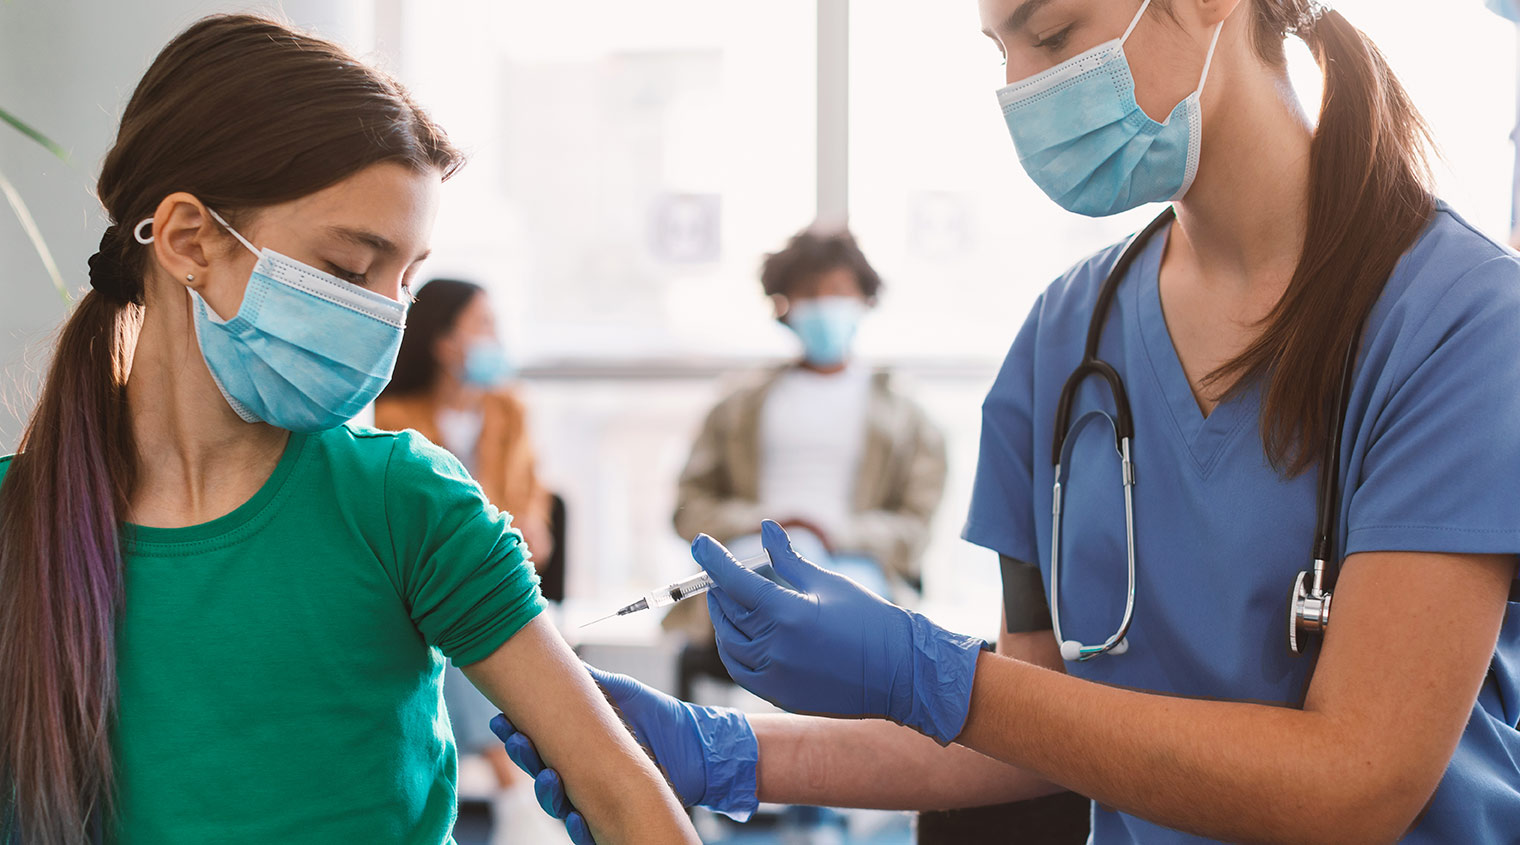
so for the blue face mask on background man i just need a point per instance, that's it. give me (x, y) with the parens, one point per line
(1084, 139)
(827, 326)
(306, 350)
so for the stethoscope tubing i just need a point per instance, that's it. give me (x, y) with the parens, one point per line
(1321, 575)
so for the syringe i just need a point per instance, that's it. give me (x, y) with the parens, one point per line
(668, 595)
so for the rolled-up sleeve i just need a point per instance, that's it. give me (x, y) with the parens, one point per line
(464, 572)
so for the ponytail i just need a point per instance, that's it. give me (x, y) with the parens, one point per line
(61, 581)
(1369, 199)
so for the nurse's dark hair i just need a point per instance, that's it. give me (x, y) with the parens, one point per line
(243, 112)
(1369, 199)
(431, 318)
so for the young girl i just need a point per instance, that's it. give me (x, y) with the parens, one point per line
(223, 611)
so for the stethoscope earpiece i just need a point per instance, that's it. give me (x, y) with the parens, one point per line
(1071, 651)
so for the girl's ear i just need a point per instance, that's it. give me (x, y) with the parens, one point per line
(183, 233)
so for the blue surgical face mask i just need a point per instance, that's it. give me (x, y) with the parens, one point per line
(486, 365)
(1508, 8)
(306, 350)
(826, 325)
(1084, 139)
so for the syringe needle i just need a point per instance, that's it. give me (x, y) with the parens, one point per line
(603, 619)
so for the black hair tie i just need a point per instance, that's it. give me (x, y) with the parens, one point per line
(108, 273)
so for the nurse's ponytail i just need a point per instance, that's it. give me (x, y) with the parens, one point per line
(1369, 199)
(244, 113)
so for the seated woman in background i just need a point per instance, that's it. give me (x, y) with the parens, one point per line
(224, 609)
(451, 386)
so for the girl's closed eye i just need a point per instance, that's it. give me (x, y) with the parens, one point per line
(346, 275)
(1056, 41)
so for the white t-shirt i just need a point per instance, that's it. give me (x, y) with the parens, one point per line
(812, 435)
(460, 431)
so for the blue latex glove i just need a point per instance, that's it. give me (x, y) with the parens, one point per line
(547, 785)
(832, 647)
(708, 753)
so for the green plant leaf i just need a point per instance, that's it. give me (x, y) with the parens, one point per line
(25, 129)
(29, 225)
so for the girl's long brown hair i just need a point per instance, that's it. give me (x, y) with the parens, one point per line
(1369, 199)
(243, 112)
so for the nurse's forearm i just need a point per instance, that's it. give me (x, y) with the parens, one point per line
(1223, 770)
(878, 765)
(1393, 689)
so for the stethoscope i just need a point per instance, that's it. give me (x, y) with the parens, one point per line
(1309, 603)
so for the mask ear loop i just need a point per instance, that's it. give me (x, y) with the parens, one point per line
(1208, 60)
(1136, 22)
(242, 240)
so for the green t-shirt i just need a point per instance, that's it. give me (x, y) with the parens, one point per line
(280, 667)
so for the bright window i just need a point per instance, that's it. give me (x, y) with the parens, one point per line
(631, 163)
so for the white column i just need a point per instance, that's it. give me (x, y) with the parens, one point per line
(833, 111)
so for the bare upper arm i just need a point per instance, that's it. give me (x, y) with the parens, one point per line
(1412, 640)
(547, 694)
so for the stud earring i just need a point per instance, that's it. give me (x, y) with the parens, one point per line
(189, 277)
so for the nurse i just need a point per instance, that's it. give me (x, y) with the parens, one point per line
(1292, 243)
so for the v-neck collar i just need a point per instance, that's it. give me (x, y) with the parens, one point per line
(1204, 437)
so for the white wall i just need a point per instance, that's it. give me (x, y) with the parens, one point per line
(67, 67)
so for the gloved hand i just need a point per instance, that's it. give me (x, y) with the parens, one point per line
(832, 647)
(547, 786)
(708, 753)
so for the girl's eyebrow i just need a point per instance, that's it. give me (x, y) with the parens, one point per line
(377, 242)
(1021, 15)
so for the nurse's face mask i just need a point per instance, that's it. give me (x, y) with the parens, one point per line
(306, 350)
(1084, 139)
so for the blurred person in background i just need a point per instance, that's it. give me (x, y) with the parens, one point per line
(453, 385)
(834, 449)
(830, 447)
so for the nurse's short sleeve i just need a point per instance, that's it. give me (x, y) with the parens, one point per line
(463, 571)
(1002, 495)
(1441, 469)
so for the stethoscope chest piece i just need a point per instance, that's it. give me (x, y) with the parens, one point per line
(1308, 608)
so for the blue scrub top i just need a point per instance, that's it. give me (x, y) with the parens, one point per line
(1431, 462)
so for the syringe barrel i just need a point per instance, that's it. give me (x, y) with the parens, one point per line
(696, 585)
